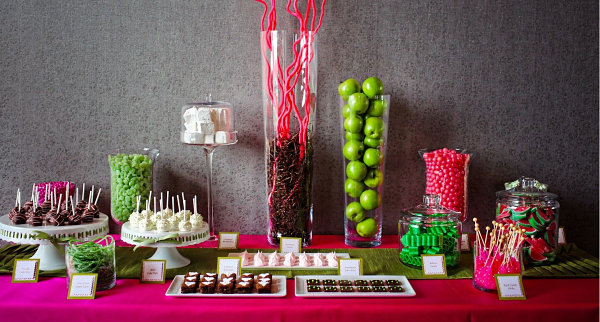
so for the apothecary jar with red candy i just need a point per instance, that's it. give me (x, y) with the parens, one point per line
(446, 172)
(527, 204)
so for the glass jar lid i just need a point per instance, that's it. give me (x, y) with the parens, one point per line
(430, 210)
(525, 189)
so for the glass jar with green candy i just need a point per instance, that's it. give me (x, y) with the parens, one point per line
(429, 229)
(130, 176)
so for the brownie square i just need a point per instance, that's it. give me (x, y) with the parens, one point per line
(193, 279)
(206, 287)
(263, 285)
(313, 281)
(313, 288)
(330, 289)
(379, 289)
(392, 282)
(248, 280)
(363, 288)
(225, 285)
(377, 283)
(329, 282)
(344, 283)
(188, 287)
(395, 288)
(347, 289)
(361, 283)
(242, 287)
(208, 279)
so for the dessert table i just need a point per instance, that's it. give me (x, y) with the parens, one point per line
(573, 299)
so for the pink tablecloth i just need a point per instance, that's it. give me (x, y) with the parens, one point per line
(436, 300)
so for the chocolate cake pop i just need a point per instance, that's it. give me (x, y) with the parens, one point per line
(16, 216)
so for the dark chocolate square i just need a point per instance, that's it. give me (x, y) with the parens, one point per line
(242, 287)
(377, 283)
(206, 287)
(363, 288)
(329, 282)
(393, 282)
(188, 287)
(361, 283)
(313, 288)
(344, 283)
(395, 288)
(313, 281)
(346, 289)
(263, 285)
(379, 289)
(329, 288)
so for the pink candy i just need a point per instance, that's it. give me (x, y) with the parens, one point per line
(483, 274)
(60, 187)
(446, 172)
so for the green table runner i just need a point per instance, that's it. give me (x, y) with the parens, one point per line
(570, 262)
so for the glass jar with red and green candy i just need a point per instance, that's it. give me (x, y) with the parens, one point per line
(446, 172)
(527, 204)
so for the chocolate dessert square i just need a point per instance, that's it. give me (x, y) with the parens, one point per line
(242, 287)
(330, 289)
(263, 285)
(395, 288)
(377, 283)
(392, 282)
(345, 283)
(361, 283)
(329, 282)
(193, 279)
(379, 289)
(347, 289)
(313, 281)
(363, 288)
(188, 287)
(313, 288)
(211, 279)
(249, 280)
(225, 286)
(206, 287)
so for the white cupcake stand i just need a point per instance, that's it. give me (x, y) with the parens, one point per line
(165, 250)
(50, 257)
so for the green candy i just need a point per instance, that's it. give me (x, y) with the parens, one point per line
(131, 176)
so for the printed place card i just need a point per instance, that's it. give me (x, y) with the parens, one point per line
(26, 271)
(229, 265)
(510, 287)
(434, 265)
(228, 240)
(153, 271)
(82, 286)
(350, 266)
(290, 245)
(562, 239)
(465, 243)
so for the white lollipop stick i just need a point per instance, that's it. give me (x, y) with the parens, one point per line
(137, 203)
(97, 196)
(33, 192)
(178, 204)
(173, 203)
(195, 204)
(59, 202)
(17, 199)
(72, 206)
(83, 192)
(154, 204)
(92, 194)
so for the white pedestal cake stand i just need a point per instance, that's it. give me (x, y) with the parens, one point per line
(166, 251)
(50, 257)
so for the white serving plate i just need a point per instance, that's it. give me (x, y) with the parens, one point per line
(250, 264)
(302, 292)
(278, 289)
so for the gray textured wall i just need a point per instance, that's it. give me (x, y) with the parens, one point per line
(515, 81)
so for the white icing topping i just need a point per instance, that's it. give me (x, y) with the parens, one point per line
(224, 282)
(189, 283)
(207, 283)
(192, 273)
(264, 282)
(227, 280)
(247, 279)
(244, 283)
(263, 275)
(208, 278)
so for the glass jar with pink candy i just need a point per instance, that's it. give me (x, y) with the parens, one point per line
(447, 171)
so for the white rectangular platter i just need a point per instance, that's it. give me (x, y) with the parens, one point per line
(301, 291)
(278, 289)
(250, 263)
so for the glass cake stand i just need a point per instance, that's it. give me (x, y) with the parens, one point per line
(51, 258)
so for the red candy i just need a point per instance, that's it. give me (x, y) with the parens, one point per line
(446, 171)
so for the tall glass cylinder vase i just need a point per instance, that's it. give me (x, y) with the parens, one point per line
(364, 141)
(289, 83)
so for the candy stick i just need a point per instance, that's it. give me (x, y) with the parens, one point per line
(97, 196)
(185, 215)
(33, 192)
(83, 192)
(72, 206)
(59, 202)
(173, 203)
(182, 196)
(137, 203)
(161, 201)
(17, 198)
(195, 204)
(178, 204)
(168, 201)
(92, 193)
(90, 196)
(154, 204)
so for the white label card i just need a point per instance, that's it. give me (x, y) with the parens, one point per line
(82, 286)
(561, 236)
(434, 265)
(350, 266)
(510, 287)
(228, 240)
(465, 245)
(229, 265)
(153, 271)
(290, 245)
(25, 270)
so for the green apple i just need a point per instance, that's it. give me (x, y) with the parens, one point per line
(372, 158)
(370, 199)
(348, 87)
(377, 107)
(353, 150)
(354, 124)
(367, 228)
(374, 127)
(354, 188)
(356, 170)
(372, 86)
(374, 178)
(372, 143)
(354, 136)
(358, 102)
(355, 212)
(346, 111)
